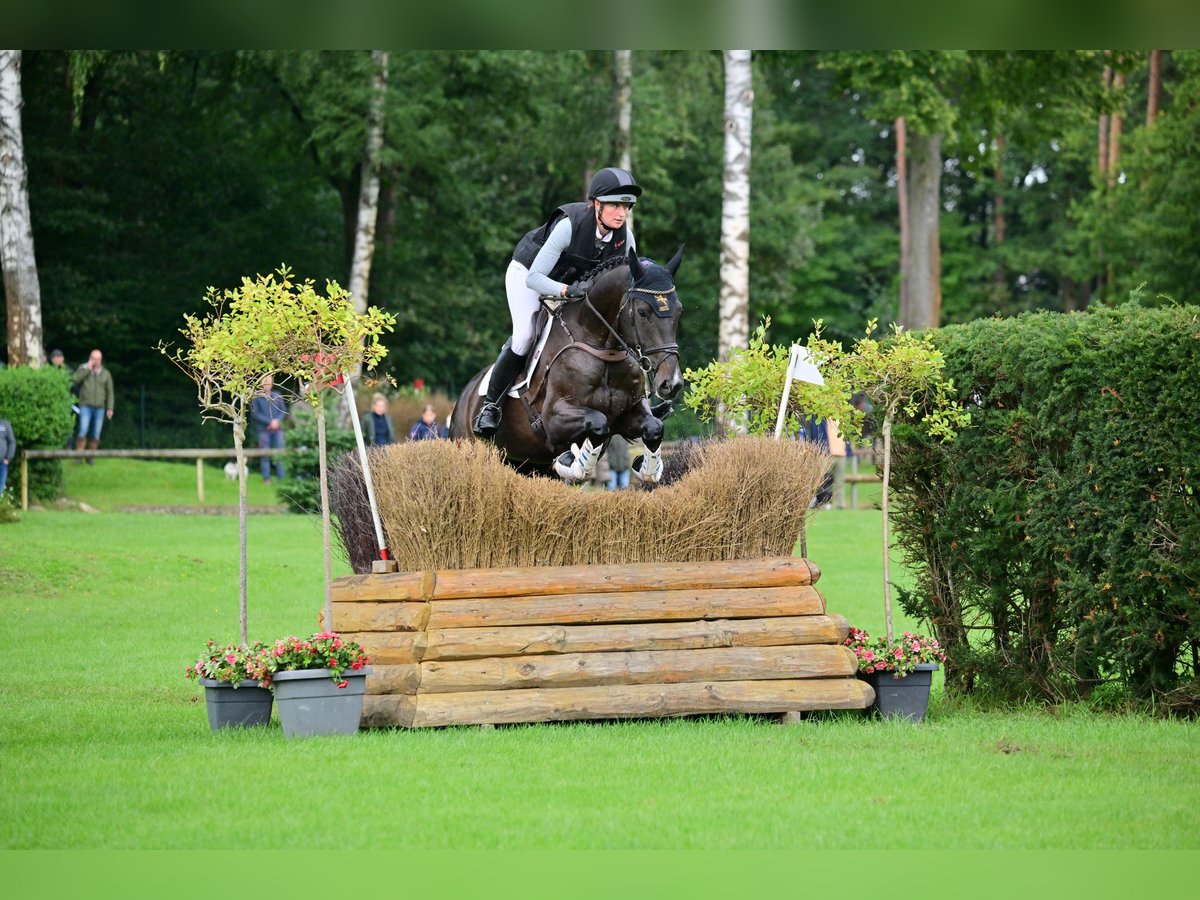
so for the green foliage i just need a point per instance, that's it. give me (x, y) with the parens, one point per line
(901, 376)
(38, 404)
(301, 490)
(1059, 529)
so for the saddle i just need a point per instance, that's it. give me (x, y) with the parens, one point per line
(530, 383)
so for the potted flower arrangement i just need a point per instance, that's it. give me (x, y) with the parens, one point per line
(900, 670)
(236, 684)
(319, 683)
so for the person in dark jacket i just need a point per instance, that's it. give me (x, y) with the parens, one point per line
(267, 411)
(550, 261)
(377, 424)
(426, 428)
(8, 450)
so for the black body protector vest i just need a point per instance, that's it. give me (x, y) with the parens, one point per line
(585, 252)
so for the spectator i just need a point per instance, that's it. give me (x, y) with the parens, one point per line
(56, 358)
(8, 450)
(267, 411)
(426, 428)
(617, 455)
(837, 449)
(377, 426)
(59, 362)
(95, 386)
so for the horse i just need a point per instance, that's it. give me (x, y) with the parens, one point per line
(604, 358)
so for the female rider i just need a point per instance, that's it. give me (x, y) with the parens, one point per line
(549, 261)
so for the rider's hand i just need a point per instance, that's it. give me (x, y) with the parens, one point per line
(577, 290)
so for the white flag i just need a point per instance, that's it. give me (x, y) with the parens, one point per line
(802, 367)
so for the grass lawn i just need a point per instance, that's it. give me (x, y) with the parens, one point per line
(105, 745)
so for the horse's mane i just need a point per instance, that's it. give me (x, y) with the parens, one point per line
(611, 263)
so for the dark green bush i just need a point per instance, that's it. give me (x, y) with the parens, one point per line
(38, 403)
(1055, 540)
(301, 489)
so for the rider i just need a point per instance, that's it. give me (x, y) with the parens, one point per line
(549, 261)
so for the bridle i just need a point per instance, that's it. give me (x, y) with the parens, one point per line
(636, 352)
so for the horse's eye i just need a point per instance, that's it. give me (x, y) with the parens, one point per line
(643, 312)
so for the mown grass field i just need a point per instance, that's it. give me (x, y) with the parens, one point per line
(105, 745)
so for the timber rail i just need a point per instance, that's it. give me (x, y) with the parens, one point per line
(197, 454)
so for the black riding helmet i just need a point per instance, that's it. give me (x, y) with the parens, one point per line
(613, 185)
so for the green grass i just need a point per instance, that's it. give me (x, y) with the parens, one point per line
(105, 745)
(112, 484)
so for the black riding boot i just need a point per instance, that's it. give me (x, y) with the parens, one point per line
(508, 366)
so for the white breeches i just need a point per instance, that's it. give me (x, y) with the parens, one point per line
(522, 306)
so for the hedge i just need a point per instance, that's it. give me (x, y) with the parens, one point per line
(38, 404)
(1055, 541)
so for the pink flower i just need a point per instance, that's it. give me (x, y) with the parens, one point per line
(342, 684)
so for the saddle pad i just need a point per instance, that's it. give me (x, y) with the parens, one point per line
(542, 324)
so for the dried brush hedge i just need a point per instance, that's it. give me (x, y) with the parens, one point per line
(458, 506)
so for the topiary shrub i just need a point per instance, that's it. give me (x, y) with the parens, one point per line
(1054, 540)
(38, 404)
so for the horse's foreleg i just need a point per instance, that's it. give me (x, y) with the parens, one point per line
(581, 433)
(640, 425)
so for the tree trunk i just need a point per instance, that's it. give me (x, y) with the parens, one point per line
(921, 305)
(1154, 89)
(368, 199)
(734, 327)
(22, 291)
(239, 454)
(1102, 131)
(1114, 134)
(623, 64)
(998, 222)
(902, 201)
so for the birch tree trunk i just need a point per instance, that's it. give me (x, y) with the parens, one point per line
(921, 304)
(902, 202)
(623, 65)
(368, 201)
(21, 288)
(734, 327)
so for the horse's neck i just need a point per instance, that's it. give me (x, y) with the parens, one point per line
(592, 325)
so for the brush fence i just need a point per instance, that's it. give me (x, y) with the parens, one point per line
(541, 644)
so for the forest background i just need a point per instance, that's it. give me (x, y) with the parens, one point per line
(1067, 179)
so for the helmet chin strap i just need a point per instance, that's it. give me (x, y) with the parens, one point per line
(604, 229)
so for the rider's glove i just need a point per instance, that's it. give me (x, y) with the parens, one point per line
(577, 290)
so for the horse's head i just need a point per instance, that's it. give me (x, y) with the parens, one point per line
(649, 319)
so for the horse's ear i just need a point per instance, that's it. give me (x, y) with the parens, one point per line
(673, 265)
(635, 265)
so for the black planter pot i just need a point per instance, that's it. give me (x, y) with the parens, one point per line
(901, 698)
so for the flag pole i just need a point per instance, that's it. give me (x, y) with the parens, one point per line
(383, 564)
(787, 391)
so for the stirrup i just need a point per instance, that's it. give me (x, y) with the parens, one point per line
(485, 425)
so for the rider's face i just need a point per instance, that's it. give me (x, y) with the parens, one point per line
(612, 215)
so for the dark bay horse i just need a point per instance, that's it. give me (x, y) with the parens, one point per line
(605, 357)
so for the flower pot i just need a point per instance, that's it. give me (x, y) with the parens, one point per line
(309, 702)
(901, 698)
(241, 706)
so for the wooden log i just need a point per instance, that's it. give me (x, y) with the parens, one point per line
(636, 700)
(389, 648)
(375, 616)
(625, 606)
(388, 710)
(394, 586)
(474, 643)
(637, 667)
(401, 679)
(544, 580)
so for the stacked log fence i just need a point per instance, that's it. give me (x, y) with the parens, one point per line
(560, 643)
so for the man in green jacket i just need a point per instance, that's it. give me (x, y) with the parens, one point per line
(95, 400)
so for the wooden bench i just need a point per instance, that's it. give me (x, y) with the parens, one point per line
(597, 642)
